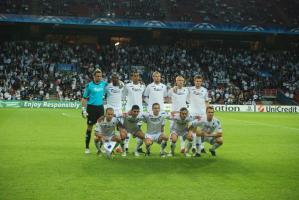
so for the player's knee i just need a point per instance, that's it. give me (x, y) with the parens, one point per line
(219, 142)
(141, 137)
(174, 138)
(148, 142)
(123, 136)
(189, 137)
(117, 138)
(165, 137)
(97, 138)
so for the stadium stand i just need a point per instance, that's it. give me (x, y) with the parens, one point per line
(41, 70)
(277, 12)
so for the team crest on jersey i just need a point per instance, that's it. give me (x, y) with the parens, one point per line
(114, 90)
(136, 89)
(157, 89)
(97, 89)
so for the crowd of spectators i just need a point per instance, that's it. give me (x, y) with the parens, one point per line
(257, 12)
(29, 70)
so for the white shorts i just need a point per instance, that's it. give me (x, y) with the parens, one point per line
(153, 137)
(105, 137)
(184, 136)
(184, 133)
(210, 140)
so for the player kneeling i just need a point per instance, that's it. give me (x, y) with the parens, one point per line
(105, 133)
(210, 129)
(131, 123)
(155, 130)
(179, 128)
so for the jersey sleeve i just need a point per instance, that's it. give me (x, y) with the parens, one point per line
(125, 92)
(165, 91)
(206, 95)
(189, 94)
(218, 128)
(146, 91)
(98, 128)
(170, 92)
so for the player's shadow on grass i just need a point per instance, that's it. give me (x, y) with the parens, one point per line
(157, 165)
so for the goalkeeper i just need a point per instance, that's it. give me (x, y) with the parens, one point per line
(92, 104)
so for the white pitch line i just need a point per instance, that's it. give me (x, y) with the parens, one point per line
(264, 124)
(68, 115)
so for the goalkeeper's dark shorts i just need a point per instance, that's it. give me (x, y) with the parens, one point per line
(94, 113)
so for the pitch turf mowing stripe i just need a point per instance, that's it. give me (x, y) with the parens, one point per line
(42, 158)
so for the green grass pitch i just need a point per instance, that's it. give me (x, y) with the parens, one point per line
(42, 157)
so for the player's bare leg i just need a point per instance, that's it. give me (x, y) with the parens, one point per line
(189, 138)
(148, 142)
(122, 137)
(218, 142)
(139, 140)
(98, 143)
(163, 141)
(173, 140)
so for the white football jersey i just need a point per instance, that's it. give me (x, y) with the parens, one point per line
(178, 98)
(106, 128)
(197, 99)
(114, 96)
(155, 94)
(131, 123)
(213, 126)
(178, 125)
(154, 123)
(133, 92)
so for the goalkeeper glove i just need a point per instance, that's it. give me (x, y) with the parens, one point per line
(84, 112)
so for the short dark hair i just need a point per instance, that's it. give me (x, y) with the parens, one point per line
(134, 72)
(135, 107)
(210, 107)
(155, 104)
(183, 109)
(109, 109)
(197, 77)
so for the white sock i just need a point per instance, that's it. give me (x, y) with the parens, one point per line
(193, 140)
(139, 143)
(182, 142)
(198, 144)
(127, 140)
(202, 146)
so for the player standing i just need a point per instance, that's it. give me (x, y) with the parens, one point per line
(178, 97)
(92, 104)
(133, 91)
(156, 92)
(198, 99)
(114, 92)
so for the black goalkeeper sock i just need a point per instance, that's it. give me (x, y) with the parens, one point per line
(87, 138)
